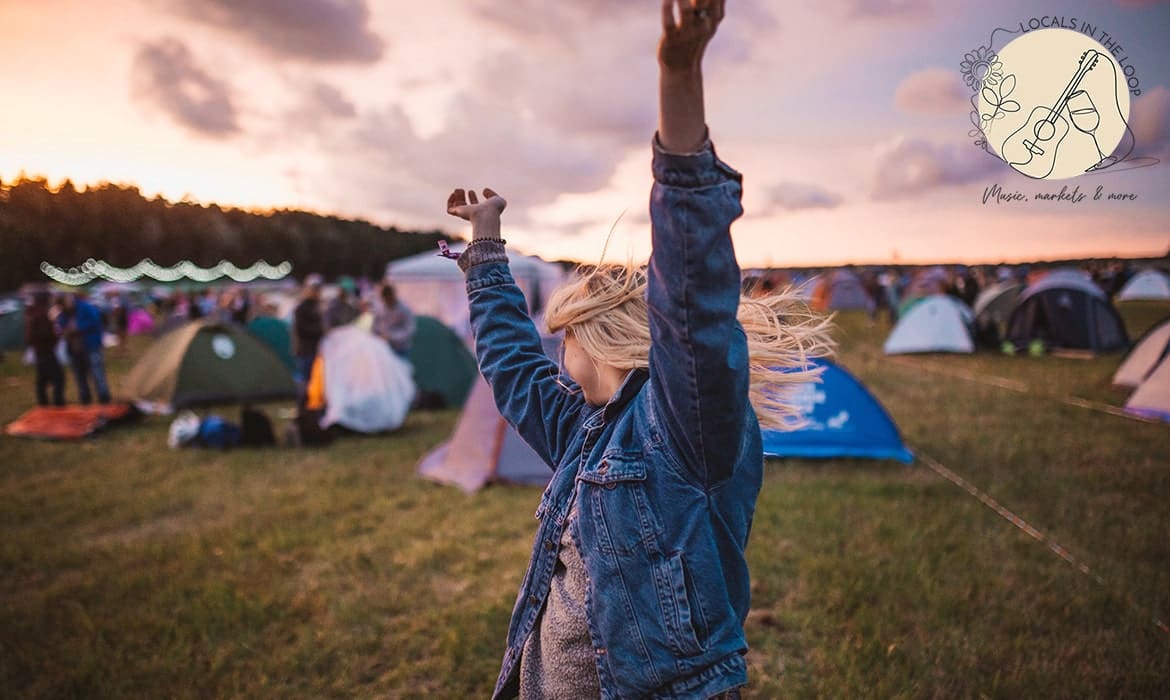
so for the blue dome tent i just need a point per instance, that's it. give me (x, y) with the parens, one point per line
(844, 420)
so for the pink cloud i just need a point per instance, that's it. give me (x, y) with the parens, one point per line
(794, 196)
(167, 77)
(905, 167)
(1149, 119)
(884, 9)
(933, 91)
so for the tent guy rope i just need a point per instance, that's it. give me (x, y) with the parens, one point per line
(1039, 536)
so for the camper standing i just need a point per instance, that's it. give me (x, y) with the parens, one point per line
(308, 328)
(41, 335)
(82, 325)
(638, 585)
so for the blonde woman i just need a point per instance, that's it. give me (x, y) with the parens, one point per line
(638, 585)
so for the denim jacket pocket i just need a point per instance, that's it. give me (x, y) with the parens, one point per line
(682, 618)
(614, 490)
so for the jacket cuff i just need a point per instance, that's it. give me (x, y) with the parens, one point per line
(699, 169)
(481, 253)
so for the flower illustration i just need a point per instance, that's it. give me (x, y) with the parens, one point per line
(981, 67)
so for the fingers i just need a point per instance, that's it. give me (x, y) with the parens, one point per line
(488, 193)
(668, 22)
(456, 199)
(471, 198)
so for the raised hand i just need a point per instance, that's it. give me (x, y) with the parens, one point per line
(687, 27)
(484, 216)
(466, 205)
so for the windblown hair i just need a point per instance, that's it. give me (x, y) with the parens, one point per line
(605, 310)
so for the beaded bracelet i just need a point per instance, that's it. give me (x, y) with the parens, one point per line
(501, 241)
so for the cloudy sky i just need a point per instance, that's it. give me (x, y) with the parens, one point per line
(848, 118)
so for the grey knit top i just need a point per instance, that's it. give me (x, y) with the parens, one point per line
(557, 661)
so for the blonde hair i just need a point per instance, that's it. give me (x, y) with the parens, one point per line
(605, 310)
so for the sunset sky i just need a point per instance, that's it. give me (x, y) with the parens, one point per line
(848, 118)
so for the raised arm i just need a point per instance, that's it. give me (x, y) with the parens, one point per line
(687, 27)
(524, 381)
(699, 372)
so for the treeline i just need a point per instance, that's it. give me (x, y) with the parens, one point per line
(117, 224)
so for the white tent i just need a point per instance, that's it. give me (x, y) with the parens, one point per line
(1147, 284)
(433, 285)
(367, 387)
(937, 323)
(1150, 350)
(1152, 397)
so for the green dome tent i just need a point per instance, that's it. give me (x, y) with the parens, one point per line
(444, 369)
(276, 334)
(11, 324)
(206, 363)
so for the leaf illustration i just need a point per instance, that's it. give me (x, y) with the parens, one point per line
(1010, 106)
(1009, 84)
(990, 96)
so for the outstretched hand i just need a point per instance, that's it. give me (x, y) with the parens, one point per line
(484, 216)
(466, 205)
(687, 27)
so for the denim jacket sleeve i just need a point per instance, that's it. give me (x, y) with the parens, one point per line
(524, 381)
(698, 355)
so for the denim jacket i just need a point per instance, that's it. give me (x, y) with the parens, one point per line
(664, 476)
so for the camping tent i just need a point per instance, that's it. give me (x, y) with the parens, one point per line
(139, 322)
(995, 303)
(11, 324)
(444, 369)
(993, 307)
(924, 283)
(276, 334)
(435, 286)
(1147, 284)
(843, 420)
(840, 290)
(484, 448)
(937, 323)
(1066, 311)
(1145, 355)
(367, 387)
(205, 363)
(1151, 399)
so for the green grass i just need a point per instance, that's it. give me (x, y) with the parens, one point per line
(135, 571)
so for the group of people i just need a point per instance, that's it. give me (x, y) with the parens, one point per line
(388, 317)
(66, 330)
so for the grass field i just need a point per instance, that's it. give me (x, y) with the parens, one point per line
(133, 571)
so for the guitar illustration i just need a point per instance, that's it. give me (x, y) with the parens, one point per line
(1031, 149)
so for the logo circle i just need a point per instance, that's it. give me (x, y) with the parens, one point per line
(223, 346)
(1054, 104)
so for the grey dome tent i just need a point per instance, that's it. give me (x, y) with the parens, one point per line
(204, 363)
(1146, 285)
(937, 323)
(1144, 357)
(1066, 311)
(484, 448)
(993, 307)
(840, 290)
